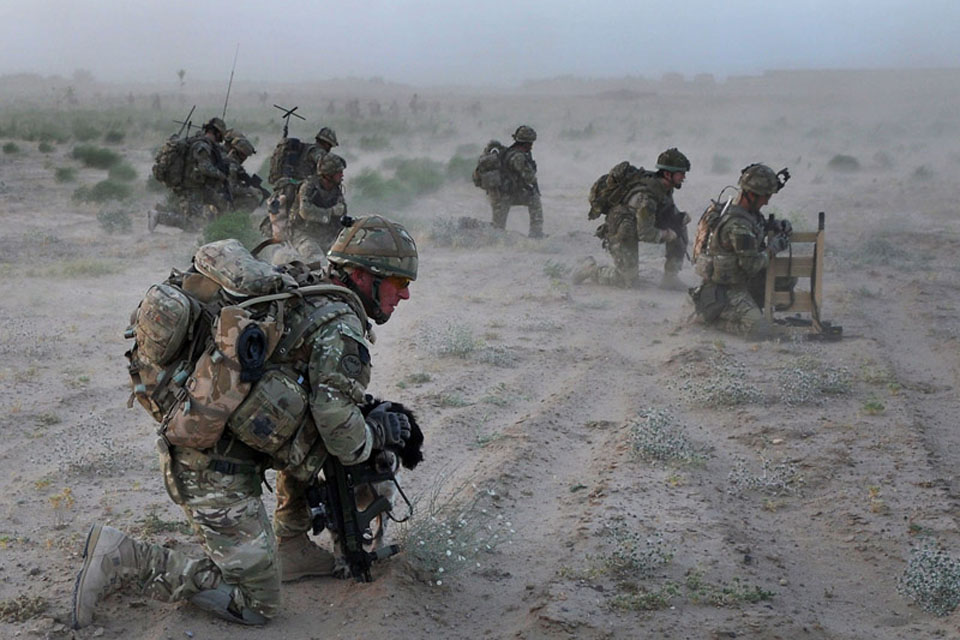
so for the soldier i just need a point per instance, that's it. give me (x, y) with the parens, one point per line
(314, 221)
(205, 193)
(734, 263)
(647, 214)
(287, 186)
(243, 187)
(219, 488)
(519, 183)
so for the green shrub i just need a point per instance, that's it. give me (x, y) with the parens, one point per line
(845, 163)
(123, 171)
(375, 142)
(96, 157)
(114, 219)
(65, 174)
(11, 147)
(84, 132)
(371, 189)
(153, 185)
(460, 168)
(932, 579)
(103, 191)
(45, 147)
(236, 224)
(579, 134)
(420, 175)
(114, 137)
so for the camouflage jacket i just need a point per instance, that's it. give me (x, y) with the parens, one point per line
(521, 170)
(735, 251)
(206, 162)
(310, 159)
(334, 362)
(651, 202)
(317, 205)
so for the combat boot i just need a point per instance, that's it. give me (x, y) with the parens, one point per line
(300, 557)
(587, 270)
(672, 282)
(109, 561)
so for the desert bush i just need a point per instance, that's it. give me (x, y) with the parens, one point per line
(923, 172)
(656, 435)
(465, 232)
(21, 608)
(420, 175)
(844, 163)
(460, 168)
(45, 147)
(726, 385)
(115, 219)
(450, 532)
(932, 579)
(455, 340)
(236, 224)
(123, 171)
(371, 189)
(774, 479)
(633, 554)
(374, 142)
(84, 132)
(878, 250)
(809, 380)
(556, 270)
(103, 191)
(585, 133)
(96, 157)
(65, 174)
(724, 594)
(11, 148)
(114, 136)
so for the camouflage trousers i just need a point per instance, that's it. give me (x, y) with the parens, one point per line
(241, 549)
(501, 204)
(621, 239)
(742, 312)
(191, 209)
(292, 516)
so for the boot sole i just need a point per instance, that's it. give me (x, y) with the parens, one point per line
(93, 536)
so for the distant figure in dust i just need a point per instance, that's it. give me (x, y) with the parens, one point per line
(509, 176)
(642, 210)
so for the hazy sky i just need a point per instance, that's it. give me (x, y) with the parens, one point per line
(430, 42)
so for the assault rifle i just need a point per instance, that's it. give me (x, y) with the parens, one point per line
(256, 182)
(333, 504)
(675, 221)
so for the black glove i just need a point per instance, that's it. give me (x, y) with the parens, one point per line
(390, 428)
(779, 243)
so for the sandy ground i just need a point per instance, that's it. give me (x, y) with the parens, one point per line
(535, 391)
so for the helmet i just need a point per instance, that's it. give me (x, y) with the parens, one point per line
(330, 164)
(217, 125)
(672, 160)
(377, 245)
(327, 135)
(241, 144)
(760, 179)
(524, 134)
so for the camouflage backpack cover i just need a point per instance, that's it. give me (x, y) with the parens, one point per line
(612, 188)
(488, 174)
(171, 164)
(287, 160)
(202, 339)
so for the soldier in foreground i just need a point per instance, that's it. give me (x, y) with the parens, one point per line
(734, 258)
(646, 213)
(517, 181)
(324, 361)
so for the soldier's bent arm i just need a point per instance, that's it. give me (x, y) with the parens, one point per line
(339, 371)
(645, 206)
(523, 168)
(744, 243)
(311, 212)
(203, 163)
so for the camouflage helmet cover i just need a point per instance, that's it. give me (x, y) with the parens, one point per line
(760, 179)
(524, 133)
(327, 135)
(331, 164)
(217, 125)
(377, 245)
(672, 160)
(241, 144)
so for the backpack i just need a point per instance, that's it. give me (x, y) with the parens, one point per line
(488, 174)
(709, 221)
(202, 339)
(171, 165)
(287, 160)
(611, 188)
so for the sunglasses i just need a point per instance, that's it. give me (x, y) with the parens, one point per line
(399, 282)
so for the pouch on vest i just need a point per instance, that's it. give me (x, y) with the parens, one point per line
(271, 412)
(221, 379)
(169, 477)
(163, 321)
(229, 264)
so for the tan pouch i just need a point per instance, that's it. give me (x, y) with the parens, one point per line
(269, 416)
(229, 264)
(216, 387)
(163, 321)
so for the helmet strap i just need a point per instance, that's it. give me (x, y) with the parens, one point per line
(371, 303)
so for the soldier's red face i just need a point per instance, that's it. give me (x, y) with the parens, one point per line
(392, 291)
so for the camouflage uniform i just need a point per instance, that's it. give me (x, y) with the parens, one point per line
(245, 196)
(734, 265)
(636, 221)
(520, 184)
(205, 192)
(314, 221)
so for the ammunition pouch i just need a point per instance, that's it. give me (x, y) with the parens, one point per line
(710, 300)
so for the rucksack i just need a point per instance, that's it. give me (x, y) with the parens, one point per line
(202, 341)
(611, 188)
(709, 221)
(488, 174)
(288, 159)
(171, 164)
